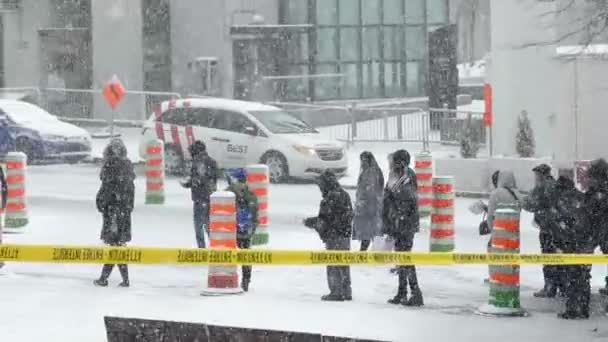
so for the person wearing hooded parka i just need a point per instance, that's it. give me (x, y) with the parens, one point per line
(367, 223)
(402, 221)
(115, 201)
(505, 193)
(596, 205)
(334, 226)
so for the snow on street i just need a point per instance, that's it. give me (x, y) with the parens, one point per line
(60, 303)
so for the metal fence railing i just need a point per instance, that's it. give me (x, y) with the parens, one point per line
(357, 123)
(88, 106)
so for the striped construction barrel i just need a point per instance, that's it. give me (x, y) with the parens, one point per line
(222, 279)
(423, 166)
(258, 181)
(155, 172)
(442, 215)
(16, 206)
(504, 279)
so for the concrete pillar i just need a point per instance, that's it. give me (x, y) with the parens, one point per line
(117, 49)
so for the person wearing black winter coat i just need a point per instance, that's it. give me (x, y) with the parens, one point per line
(202, 182)
(539, 202)
(574, 235)
(402, 222)
(115, 201)
(334, 226)
(596, 202)
(3, 190)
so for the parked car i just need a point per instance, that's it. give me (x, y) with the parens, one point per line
(238, 133)
(41, 135)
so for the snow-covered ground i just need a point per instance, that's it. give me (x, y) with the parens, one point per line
(59, 303)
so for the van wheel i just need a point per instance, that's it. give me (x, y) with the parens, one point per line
(174, 160)
(277, 167)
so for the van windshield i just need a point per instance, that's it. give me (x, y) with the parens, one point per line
(282, 122)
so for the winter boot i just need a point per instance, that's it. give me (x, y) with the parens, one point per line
(124, 273)
(245, 284)
(332, 298)
(416, 298)
(101, 282)
(568, 314)
(549, 291)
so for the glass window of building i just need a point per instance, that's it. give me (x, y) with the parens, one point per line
(376, 48)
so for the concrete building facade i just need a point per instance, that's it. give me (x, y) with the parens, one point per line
(375, 48)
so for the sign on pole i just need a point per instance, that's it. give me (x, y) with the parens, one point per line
(113, 92)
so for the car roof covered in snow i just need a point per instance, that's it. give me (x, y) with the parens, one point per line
(229, 104)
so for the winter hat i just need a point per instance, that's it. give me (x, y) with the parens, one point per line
(197, 148)
(401, 157)
(116, 148)
(543, 169)
(328, 181)
(239, 174)
(598, 169)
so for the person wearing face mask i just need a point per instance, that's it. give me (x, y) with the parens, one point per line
(334, 226)
(401, 223)
(367, 223)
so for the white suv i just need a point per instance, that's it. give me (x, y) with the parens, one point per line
(238, 133)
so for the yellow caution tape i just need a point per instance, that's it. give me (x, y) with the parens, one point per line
(185, 256)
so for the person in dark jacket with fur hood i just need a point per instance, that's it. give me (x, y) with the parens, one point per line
(574, 235)
(596, 204)
(115, 201)
(334, 226)
(402, 223)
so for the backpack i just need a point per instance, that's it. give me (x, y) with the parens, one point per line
(244, 215)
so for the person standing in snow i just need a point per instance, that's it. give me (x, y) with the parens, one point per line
(506, 193)
(367, 223)
(401, 223)
(596, 204)
(334, 226)
(3, 191)
(539, 202)
(574, 235)
(3, 197)
(247, 217)
(202, 182)
(115, 201)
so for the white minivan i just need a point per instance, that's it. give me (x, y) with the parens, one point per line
(239, 133)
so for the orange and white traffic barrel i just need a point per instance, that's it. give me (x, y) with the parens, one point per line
(442, 215)
(258, 183)
(155, 172)
(423, 166)
(504, 279)
(222, 279)
(16, 204)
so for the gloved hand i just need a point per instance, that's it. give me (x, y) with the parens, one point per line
(310, 222)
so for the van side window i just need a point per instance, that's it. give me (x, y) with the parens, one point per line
(200, 117)
(175, 116)
(231, 121)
